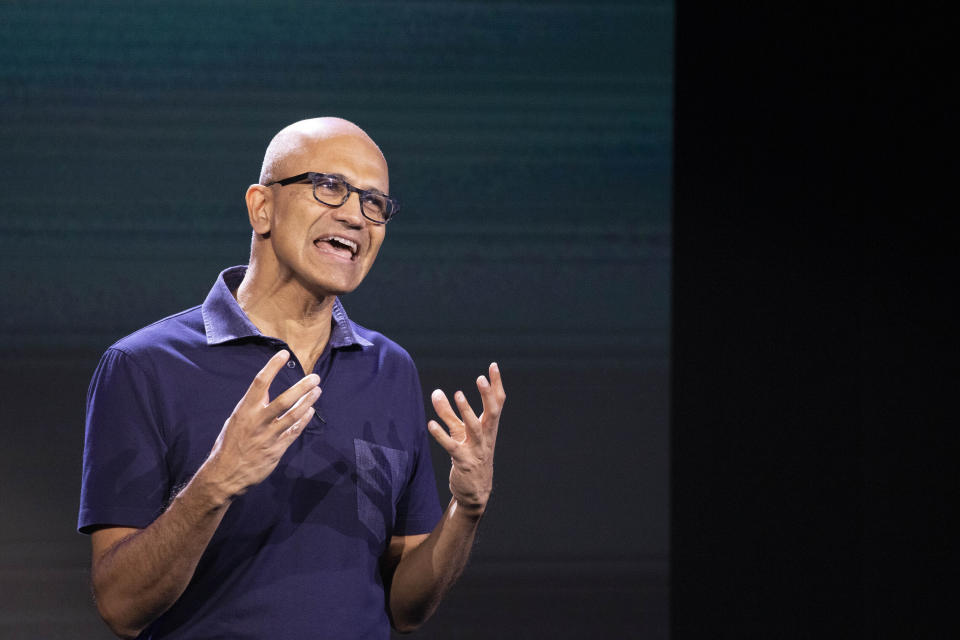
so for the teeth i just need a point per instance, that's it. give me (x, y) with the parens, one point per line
(344, 241)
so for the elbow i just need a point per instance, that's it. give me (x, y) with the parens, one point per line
(406, 619)
(406, 626)
(118, 626)
(113, 615)
(411, 619)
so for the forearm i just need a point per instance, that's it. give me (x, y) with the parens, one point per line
(425, 574)
(142, 575)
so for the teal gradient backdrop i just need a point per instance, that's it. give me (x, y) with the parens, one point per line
(530, 145)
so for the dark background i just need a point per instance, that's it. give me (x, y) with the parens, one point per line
(814, 481)
(813, 376)
(530, 145)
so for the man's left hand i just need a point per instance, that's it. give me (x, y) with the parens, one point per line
(471, 441)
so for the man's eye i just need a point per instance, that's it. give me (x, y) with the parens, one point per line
(330, 185)
(375, 201)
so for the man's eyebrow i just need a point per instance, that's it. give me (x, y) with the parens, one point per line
(345, 179)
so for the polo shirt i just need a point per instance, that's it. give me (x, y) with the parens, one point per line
(296, 556)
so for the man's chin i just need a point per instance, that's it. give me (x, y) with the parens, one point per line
(325, 288)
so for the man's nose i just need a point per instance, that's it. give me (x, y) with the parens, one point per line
(349, 212)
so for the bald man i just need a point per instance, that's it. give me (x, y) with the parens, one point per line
(258, 466)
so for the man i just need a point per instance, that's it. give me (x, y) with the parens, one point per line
(225, 496)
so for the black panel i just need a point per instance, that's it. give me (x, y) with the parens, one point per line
(814, 470)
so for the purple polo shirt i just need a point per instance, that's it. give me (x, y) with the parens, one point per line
(297, 556)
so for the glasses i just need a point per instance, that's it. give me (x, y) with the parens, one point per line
(332, 190)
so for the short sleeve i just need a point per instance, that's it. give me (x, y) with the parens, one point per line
(418, 509)
(125, 477)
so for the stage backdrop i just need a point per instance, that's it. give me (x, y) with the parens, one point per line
(530, 144)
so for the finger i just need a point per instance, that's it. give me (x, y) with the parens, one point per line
(468, 417)
(443, 439)
(497, 396)
(496, 383)
(257, 393)
(291, 396)
(488, 398)
(297, 427)
(297, 411)
(446, 413)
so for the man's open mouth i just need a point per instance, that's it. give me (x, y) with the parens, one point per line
(345, 246)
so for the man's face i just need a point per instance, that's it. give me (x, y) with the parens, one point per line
(329, 250)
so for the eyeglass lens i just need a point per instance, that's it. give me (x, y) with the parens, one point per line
(333, 191)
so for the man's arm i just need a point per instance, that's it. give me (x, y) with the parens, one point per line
(138, 574)
(425, 567)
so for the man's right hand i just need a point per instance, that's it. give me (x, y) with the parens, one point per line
(258, 432)
(139, 573)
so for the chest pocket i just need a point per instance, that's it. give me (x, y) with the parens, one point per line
(381, 477)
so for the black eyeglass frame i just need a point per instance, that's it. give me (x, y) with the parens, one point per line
(393, 207)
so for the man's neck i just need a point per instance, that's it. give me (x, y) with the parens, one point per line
(280, 307)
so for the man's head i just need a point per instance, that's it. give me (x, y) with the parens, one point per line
(327, 249)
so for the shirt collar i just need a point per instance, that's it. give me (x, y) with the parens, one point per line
(224, 320)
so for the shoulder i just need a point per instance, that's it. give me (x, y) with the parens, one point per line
(383, 346)
(174, 333)
(150, 357)
(386, 359)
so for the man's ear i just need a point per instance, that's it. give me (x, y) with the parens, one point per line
(259, 208)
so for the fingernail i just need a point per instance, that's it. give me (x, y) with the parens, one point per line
(482, 381)
(437, 393)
